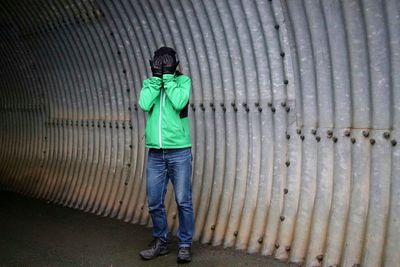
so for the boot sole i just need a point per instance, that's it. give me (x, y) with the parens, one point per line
(162, 253)
(184, 260)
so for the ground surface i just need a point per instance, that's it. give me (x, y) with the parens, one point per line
(36, 233)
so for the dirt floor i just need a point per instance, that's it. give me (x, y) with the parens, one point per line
(36, 233)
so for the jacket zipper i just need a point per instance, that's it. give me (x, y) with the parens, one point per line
(159, 119)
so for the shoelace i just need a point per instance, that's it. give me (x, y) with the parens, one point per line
(153, 243)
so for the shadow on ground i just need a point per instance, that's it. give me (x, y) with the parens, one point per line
(36, 233)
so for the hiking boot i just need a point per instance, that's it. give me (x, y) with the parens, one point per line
(184, 255)
(159, 248)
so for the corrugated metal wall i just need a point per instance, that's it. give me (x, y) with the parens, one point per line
(295, 113)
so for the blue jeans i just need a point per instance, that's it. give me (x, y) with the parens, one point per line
(174, 164)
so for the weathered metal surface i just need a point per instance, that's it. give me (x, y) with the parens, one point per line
(295, 116)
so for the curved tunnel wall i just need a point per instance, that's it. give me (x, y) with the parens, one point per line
(295, 113)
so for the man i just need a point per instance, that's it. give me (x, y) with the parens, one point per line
(165, 97)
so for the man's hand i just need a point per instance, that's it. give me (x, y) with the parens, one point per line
(157, 66)
(169, 64)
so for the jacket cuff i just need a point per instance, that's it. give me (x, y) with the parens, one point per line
(168, 77)
(156, 79)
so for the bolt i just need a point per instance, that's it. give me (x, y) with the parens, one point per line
(285, 81)
(259, 109)
(320, 257)
(282, 218)
(347, 133)
(213, 227)
(302, 137)
(277, 27)
(365, 133)
(318, 138)
(287, 248)
(353, 140)
(285, 191)
(386, 135)
(298, 131)
(287, 163)
(314, 132)
(288, 136)
(257, 104)
(287, 109)
(260, 240)
(283, 104)
(334, 139)
(276, 245)
(273, 109)
(235, 233)
(329, 133)
(282, 54)
(393, 142)
(269, 104)
(372, 141)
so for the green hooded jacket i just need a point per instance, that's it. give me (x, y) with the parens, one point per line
(166, 100)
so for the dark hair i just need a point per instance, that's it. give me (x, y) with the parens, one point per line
(165, 50)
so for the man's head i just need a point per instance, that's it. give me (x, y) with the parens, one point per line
(168, 57)
(165, 50)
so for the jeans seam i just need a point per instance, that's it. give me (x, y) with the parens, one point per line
(165, 183)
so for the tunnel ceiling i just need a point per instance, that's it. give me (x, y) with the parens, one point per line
(294, 111)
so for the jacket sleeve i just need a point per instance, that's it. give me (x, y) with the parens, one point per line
(177, 92)
(149, 92)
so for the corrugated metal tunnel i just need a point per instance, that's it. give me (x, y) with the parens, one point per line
(295, 113)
